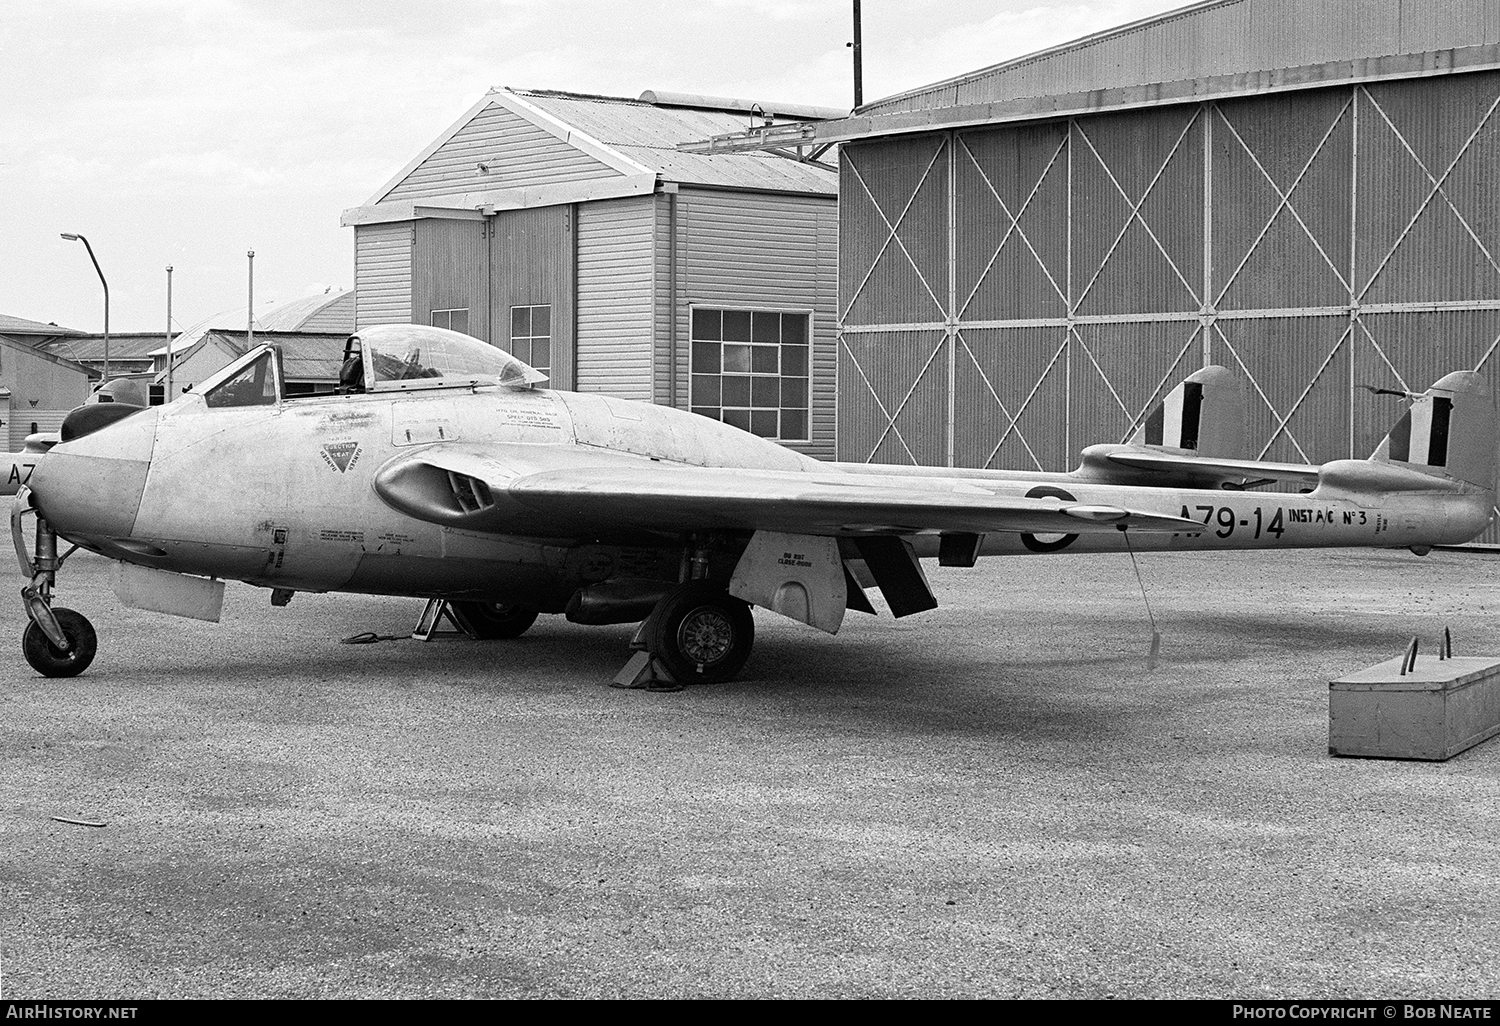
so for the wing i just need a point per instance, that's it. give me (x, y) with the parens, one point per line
(546, 492)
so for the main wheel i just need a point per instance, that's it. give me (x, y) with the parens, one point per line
(49, 660)
(701, 633)
(491, 621)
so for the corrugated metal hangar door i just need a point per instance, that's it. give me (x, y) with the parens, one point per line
(1011, 294)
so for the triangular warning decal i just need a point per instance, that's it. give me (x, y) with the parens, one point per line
(341, 455)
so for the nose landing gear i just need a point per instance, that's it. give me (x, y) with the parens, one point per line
(57, 642)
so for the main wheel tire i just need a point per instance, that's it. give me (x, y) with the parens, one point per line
(491, 621)
(50, 661)
(701, 633)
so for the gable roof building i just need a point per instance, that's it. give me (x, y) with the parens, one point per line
(310, 360)
(37, 387)
(571, 230)
(530, 147)
(144, 352)
(33, 333)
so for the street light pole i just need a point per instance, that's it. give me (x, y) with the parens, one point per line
(104, 377)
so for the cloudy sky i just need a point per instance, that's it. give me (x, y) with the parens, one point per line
(186, 132)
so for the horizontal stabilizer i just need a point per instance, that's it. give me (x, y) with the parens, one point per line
(1200, 472)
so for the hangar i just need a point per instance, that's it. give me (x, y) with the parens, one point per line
(311, 331)
(37, 387)
(570, 230)
(1032, 253)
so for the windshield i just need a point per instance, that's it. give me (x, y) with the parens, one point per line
(252, 380)
(409, 356)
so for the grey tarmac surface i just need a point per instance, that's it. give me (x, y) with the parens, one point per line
(993, 799)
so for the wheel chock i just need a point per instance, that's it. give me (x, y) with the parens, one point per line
(643, 671)
(429, 625)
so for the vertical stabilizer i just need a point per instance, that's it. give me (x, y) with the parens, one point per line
(1202, 416)
(1450, 431)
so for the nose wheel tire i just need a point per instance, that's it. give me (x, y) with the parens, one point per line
(50, 661)
(701, 634)
(491, 621)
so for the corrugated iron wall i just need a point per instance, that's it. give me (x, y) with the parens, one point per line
(531, 253)
(1312, 241)
(496, 137)
(616, 300)
(752, 251)
(383, 273)
(27, 421)
(452, 272)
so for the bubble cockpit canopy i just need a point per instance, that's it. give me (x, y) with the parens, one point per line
(411, 356)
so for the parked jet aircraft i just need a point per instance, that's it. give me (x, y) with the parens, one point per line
(448, 474)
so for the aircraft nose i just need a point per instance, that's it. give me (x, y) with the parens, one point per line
(91, 487)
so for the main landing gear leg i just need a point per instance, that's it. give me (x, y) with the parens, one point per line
(697, 634)
(57, 642)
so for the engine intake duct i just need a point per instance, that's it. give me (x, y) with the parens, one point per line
(472, 494)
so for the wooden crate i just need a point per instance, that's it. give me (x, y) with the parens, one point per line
(1438, 709)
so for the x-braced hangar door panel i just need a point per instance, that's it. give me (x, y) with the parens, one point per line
(1011, 294)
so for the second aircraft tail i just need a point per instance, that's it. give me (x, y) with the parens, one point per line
(1451, 431)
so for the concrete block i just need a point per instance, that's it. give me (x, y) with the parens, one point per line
(1438, 709)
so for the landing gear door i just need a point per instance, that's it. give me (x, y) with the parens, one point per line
(797, 575)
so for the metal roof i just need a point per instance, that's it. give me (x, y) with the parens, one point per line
(271, 316)
(124, 347)
(295, 314)
(648, 134)
(42, 352)
(633, 142)
(305, 356)
(1216, 38)
(21, 326)
(1218, 49)
(777, 109)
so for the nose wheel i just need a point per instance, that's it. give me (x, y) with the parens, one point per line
(57, 642)
(52, 661)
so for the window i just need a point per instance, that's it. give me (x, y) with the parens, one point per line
(454, 320)
(751, 370)
(253, 385)
(405, 356)
(531, 336)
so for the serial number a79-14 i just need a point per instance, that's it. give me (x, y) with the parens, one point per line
(1224, 520)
